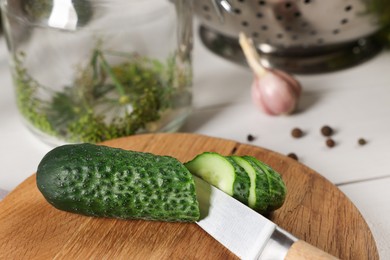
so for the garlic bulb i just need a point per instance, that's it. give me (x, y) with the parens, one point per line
(276, 92)
(273, 91)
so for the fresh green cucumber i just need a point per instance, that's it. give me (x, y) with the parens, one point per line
(222, 172)
(102, 181)
(270, 189)
(254, 195)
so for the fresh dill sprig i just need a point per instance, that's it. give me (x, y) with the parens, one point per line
(104, 101)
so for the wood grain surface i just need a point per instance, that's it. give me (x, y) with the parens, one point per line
(315, 211)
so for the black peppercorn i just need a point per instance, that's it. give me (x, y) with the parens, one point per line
(293, 156)
(362, 141)
(330, 142)
(297, 133)
(326, 130)
(250, 138)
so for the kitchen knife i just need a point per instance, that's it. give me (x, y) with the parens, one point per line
(246, 233)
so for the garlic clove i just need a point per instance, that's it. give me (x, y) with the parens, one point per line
(256, 97)
(276, 92)
(294, 84)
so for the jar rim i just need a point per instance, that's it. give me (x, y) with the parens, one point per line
(72, 15)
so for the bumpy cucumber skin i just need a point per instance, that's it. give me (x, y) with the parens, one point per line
(102, 181)
(270, 186)
(241, 183)
(253, 195)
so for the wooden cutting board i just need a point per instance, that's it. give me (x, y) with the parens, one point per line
(315, 211)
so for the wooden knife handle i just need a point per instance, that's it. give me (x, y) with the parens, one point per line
(304, 251)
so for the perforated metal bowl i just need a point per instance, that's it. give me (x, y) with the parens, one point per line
(301, 36)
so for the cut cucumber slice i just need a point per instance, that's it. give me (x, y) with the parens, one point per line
(252, 174)
(223, 173)
(245, 178)
(242, 182)
(269, 184)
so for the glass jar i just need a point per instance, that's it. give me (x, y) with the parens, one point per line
(93, 70)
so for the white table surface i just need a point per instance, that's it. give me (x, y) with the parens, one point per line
(355, 102)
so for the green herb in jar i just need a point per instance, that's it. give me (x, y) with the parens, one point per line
(104, 101)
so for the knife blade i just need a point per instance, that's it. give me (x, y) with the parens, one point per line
(246, 233)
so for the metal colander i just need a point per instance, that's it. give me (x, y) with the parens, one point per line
(301, 36)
